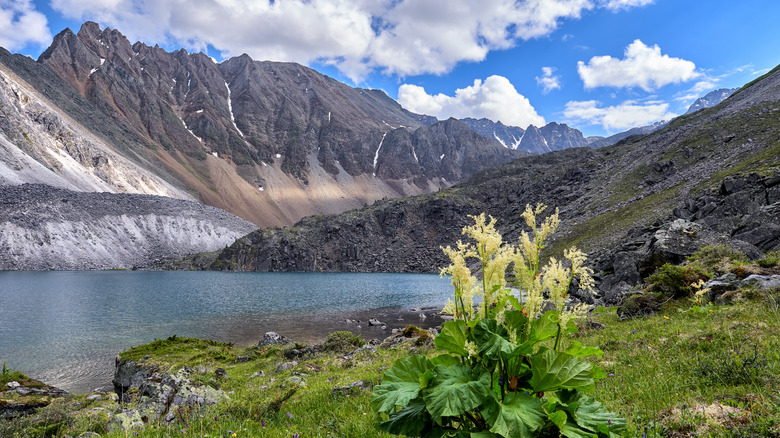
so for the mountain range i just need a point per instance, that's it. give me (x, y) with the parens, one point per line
(269, 142)
(714, 172)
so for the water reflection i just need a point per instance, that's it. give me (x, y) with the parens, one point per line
(66, 328)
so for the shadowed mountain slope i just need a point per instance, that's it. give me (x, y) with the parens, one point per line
(605, 196)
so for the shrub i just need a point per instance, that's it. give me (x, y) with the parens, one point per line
(641, 304)
(502, 368)
(771, 260)
(711, 254)
(676, 281)
(8, 375)
(342, 342)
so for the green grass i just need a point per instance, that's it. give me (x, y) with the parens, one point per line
(676, 361)
(663, 370)
(8, 375)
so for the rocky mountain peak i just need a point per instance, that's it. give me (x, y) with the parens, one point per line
(711, 99)
(242, 133)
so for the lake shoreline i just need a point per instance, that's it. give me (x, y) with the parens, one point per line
(394, 319)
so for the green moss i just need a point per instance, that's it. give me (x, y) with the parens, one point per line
(177, 351)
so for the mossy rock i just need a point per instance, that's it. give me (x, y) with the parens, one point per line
(641, 304)
(342, 342)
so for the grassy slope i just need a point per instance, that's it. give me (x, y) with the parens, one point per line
(664, 370)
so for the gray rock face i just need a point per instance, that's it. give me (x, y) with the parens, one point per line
(762, 282)
(41, 144)
(157, 394)
(742, 213)
(43, 228)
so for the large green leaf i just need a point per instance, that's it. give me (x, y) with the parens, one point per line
(552, 370)
(492, 340)
(558, 418)
(453, 337)
(577, 349)
(409, 421)
(519, 415)
(516, 320)
(571, 430)
(593, 415)
(401, 383)
(456, 389)
(544, 327)
(445, 359)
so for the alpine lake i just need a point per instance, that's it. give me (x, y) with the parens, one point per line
(65, 328)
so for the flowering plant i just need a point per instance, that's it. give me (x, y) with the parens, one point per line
(502, 370)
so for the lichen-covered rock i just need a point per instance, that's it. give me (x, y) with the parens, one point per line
(191, 395)
(152, 394)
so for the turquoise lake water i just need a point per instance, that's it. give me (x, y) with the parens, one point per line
(65, 328)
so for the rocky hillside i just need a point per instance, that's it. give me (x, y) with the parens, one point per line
(39, 143)
(605, 196)
(44, 228)
(270, 142)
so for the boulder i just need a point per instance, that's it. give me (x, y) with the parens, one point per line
(273, 338)
(671, 242)
(157, 393)
(762, 282)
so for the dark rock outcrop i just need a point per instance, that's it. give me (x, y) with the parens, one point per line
(24, 397)
(743, 213)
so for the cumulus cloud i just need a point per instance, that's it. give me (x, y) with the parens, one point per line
(404, 37)
(627, 115)
(21, 24)
(548, 81)
(495, 98)
(642, 66)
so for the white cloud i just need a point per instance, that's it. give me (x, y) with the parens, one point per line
(704, 85)
(548, 81)
(495, 98)
(644, 67)
(616, 5)
(626, 115)
(404, 37)
(21, 24)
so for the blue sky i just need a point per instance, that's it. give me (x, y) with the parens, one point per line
(601, 66)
